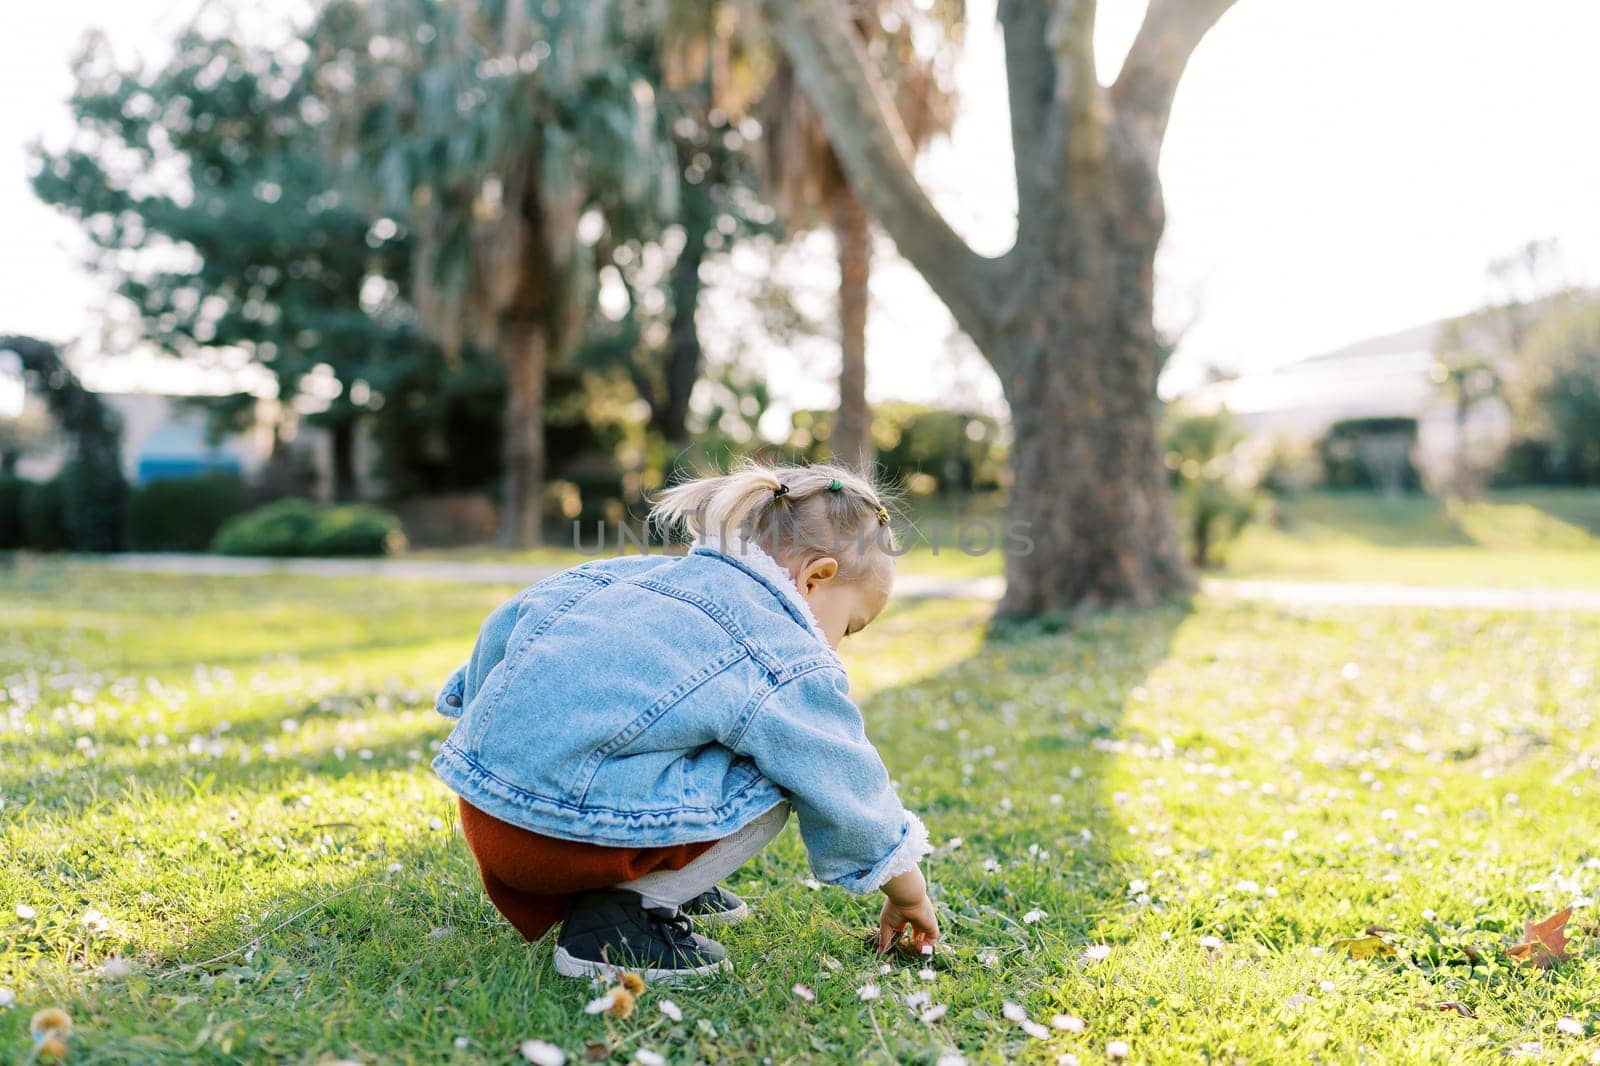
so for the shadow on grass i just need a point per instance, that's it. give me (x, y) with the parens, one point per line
(1410, 521)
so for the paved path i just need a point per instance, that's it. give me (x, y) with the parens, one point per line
(911, 586)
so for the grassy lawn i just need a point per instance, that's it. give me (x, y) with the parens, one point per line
(1156, 823)
(1527, 537)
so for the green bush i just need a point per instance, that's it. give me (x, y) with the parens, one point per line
(44, 515)
(11, 490)
(304, 528)
(183, 514)
(95, 498)
(1215, 491)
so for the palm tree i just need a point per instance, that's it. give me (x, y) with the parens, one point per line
(509, 136)
(809, 186)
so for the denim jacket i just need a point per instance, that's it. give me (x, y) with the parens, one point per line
(658, 700)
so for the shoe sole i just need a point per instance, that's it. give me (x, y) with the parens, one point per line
(568, 965)
(731, 917)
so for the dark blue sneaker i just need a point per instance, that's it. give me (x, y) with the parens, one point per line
(612, 930)
(715, 906)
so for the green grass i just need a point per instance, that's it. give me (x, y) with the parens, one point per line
(234, 774)
(1527, 537)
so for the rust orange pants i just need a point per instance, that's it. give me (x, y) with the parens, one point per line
(530, 877)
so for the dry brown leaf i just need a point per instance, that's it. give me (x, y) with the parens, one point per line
(1450, 1004)
(1544, 943)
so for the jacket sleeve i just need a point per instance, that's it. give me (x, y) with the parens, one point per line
(808, 738)
(487, 652)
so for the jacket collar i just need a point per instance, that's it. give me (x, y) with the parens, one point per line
(754, 560)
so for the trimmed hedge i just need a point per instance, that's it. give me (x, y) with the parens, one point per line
(95, 497)
(44, 515)
(303, 528)
(183, 514)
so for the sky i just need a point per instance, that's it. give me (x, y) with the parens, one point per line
(1334, 169)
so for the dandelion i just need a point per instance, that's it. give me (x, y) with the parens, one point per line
(804, 992)
(1034, 915)
(26, 913)
(632, 982)
(646, 1057)
(51, 1020)
(396, 867)
(1097, 953)
(1117, 1049)
(115, 968)
(671, 1010)
(933, 1014)
(1067, 1023)
(1569, 1026)
(1211, 943)
(622, 1002)
(867, 992)
(917, 1000)
(542, 1054)
(94, 921)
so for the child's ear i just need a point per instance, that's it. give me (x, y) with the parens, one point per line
(817, 571)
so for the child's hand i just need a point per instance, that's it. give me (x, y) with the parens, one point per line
(907, 904)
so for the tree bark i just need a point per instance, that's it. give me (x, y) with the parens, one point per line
(342, 460)
(526, 353)
(683, 340)
(1089, 489)
(852, 429)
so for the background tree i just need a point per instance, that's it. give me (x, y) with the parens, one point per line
(1065, 316)
(1556, 392)
(91, 486)
(210, 207)
(496, 130)
(809, 187)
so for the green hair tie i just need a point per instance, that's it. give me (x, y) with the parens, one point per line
(835, 485)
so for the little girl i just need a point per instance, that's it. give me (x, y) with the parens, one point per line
(632, 731)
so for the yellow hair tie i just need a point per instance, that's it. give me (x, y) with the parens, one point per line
(883, 516)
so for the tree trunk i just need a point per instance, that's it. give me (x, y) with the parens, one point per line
(1089, 488)
(526, 352)
(852, 232)
(683, 341)
(342, 445)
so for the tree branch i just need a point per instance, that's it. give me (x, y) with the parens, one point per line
(871, 143)
(1144, 90)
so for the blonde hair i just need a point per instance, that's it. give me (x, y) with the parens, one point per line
(787, 511)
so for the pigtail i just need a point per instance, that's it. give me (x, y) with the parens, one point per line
(787, 509)
(719, 506)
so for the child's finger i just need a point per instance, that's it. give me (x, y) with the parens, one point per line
(888, 934)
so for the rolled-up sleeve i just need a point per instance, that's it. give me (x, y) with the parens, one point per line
(808, 738)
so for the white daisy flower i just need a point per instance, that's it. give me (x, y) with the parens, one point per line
(26, 913)
(804, 992)
(1117, 1049)
(1034, 915)
(671, 1010)
(1569, 1026)
(867, 992)
(542, 1054)
(1068, 1023)
(933, 1014)
(646, 1057)
(1097, 953)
